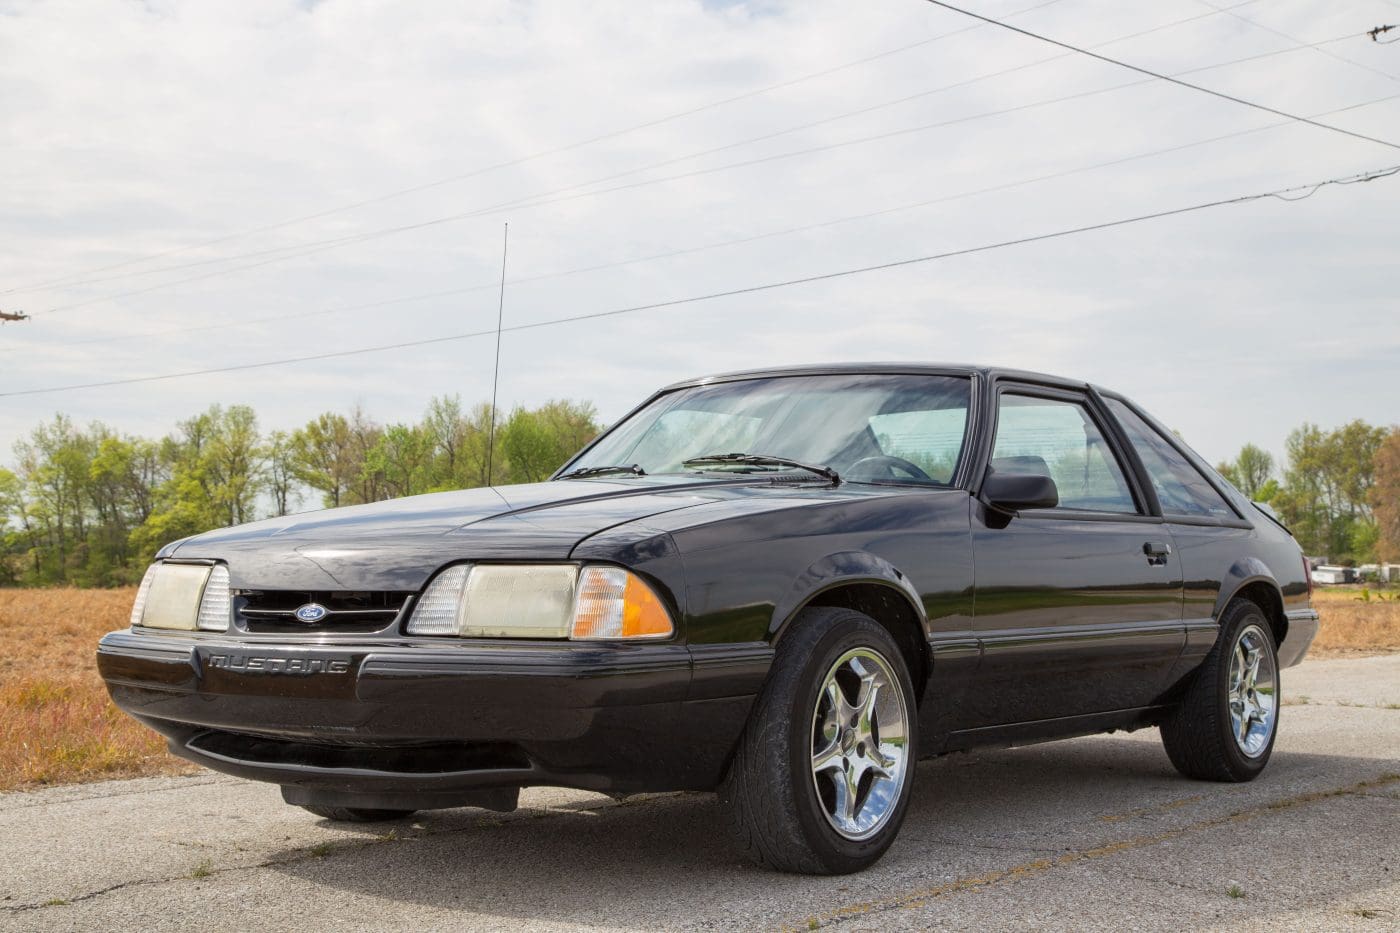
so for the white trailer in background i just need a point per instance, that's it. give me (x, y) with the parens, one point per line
(1329, 575)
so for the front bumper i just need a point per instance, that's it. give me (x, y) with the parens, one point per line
(420, 725)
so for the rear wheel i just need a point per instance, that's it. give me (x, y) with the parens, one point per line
(823, 774)
(357, 814)
(1225, 725)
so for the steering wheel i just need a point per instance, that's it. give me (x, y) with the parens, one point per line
(891, 466)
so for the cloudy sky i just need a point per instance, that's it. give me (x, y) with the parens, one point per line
(193, 186)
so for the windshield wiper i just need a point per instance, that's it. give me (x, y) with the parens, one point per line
(764, 460)
(602, 471)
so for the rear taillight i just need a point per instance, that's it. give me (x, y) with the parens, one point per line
(1307, 575)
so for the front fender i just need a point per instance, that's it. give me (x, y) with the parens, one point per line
(838, 569)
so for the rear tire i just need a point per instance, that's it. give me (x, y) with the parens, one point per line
(824, 771)
(1225, 726)
(357, 814)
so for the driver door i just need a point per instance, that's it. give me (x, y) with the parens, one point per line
(1074, 615)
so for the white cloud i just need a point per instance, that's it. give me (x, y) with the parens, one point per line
(132, 129)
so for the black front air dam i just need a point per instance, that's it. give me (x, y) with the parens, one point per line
(434, 721)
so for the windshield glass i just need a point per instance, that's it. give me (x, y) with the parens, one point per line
(867, 427)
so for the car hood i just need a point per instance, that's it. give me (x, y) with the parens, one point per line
(398, 544)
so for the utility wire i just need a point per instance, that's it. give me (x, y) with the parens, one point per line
(1282, 194)
(1164, 77)
(1230, 11)
(308, 248)
(1004, 186)
(511, 163)
(564, 194)
(496, 372)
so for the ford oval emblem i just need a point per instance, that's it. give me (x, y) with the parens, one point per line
(312, 612)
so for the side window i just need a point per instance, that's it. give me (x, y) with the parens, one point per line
(1180, 487)
(1059, 439)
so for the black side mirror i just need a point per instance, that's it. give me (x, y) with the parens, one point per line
(1012, 492)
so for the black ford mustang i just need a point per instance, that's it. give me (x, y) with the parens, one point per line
(787, 585)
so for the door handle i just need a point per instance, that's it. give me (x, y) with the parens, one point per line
(1156, 552)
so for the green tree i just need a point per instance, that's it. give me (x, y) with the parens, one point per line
(12, 532)
(54, 466)
(536, 443)
(1251, 469)
(366, 485)
(280, 472)
(1326, 484)
(401, 461)
(322, 457)
(214, 475)
(1384, 497)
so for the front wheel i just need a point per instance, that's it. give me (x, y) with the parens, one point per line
(1225, 725)
(823, 774)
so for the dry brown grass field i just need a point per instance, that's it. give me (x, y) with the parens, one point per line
(59, 727)
(1357, 621)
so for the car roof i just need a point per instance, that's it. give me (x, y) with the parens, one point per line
(942, 369)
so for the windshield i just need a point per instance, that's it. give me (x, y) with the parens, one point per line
(867, 427)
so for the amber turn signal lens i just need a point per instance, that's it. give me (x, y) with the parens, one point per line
(615, 603)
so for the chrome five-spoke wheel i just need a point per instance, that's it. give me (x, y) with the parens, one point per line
(1253, 696)
(1224, 725)
(822, 777)
(859, 743)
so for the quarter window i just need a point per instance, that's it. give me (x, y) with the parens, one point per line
(1180, 487)
(1059, 439)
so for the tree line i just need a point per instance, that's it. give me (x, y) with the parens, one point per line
(1337, 490)
(89, 505)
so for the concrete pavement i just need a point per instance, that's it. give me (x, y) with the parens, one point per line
(1095, 833)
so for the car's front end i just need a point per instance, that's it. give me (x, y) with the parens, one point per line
(372, 673)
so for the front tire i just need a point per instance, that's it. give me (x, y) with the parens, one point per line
(1225, 726)
(823, 774)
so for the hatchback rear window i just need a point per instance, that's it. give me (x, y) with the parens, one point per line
(1181, 488)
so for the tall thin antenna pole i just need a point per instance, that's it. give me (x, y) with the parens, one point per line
(496, 375)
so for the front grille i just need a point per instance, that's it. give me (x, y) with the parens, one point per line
(274, 611)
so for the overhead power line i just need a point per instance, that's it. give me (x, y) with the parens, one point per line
(1294, 193)
(573, 192)
(297, 250)
(1165, 77)
(738, 241)
(511, 163)
(1229, 11)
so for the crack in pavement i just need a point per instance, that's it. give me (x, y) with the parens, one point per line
(6, 807)
(964, 844)
(1039, 866)
(1195, 889)
(326, 849)
(1152, 811)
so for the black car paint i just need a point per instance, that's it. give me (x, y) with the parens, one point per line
(1011, 640)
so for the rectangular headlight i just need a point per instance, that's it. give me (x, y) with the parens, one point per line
(183, 597)
(539, 601)
(173, 599)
